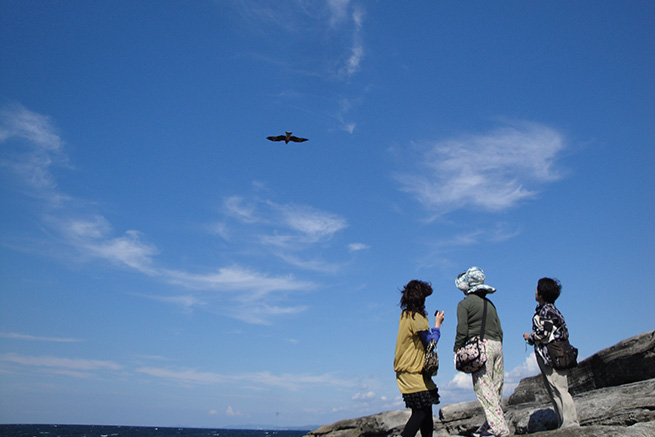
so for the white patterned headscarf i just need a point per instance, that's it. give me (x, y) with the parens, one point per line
(472, 281)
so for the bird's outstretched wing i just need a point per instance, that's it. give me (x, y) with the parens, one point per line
(297, 140)
(277, 138)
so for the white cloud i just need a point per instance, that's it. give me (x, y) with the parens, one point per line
(90, 235)
(188, 302)
(253, 297)
(32, 148)
(461, 381)
(63, 363)
(290, 232)
(236, 207)
(355, 247)
(261, 313)
(254, 380)
(490, 172)
(18, 121)
(364, 396)
(528, 368)
(345, 106)
(231, 412)
(16, 336)
(184, 376)
(285, 224)
(497, 233)
(236, 278)
(313, 225)
(128, 249)
(338, 10)
(357, 48)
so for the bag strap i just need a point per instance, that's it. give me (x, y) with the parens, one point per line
(484, 319)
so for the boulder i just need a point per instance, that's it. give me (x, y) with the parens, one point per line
(382, 424)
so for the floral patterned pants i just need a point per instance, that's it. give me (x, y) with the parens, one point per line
(488, 387)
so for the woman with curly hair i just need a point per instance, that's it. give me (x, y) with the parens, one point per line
(414, 333)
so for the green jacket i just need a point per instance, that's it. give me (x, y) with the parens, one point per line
(469, 321)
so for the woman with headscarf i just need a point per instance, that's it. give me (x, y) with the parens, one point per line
(548, 325)
(414, 333)
(488, 380)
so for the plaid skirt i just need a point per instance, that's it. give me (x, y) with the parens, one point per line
(421, 399)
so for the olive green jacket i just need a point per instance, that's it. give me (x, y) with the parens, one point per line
(469, 320)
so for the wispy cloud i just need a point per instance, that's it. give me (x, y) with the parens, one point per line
(308, 225)
(496, 233)
(286, 230)
(230, 279)
(186, 376)
(287, 381)
(356, 247)
(490, 172)
(253, 297)
(353, 61)
(303, 224)
(338, 10)
(238, 208)
(16, 336)
(36, 129)
(188, 301)
(345, 107)
(91, 234)
(70, 364)
(31, 148)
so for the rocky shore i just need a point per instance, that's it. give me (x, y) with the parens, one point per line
(614, 393)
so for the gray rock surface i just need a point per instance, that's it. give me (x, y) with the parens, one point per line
(613, 390)
(382, 424)
(613, 406)
(630, 360)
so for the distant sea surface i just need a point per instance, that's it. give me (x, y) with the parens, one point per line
(134, 431)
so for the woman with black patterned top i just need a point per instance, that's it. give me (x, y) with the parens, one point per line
(548, 325)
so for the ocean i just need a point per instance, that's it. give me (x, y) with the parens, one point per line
(134, 431)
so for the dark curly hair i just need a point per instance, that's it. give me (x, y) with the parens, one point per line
(413, 298)
(549, 289)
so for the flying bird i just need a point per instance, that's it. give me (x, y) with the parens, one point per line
(286, 138)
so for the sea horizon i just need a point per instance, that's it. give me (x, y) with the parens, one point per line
(83, 430)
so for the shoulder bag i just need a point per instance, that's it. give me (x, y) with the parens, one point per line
(431, 363)
(473, 355)
(562, 355)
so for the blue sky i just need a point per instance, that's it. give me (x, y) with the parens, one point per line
(164, 264)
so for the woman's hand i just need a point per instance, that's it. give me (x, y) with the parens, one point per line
(438, 319)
